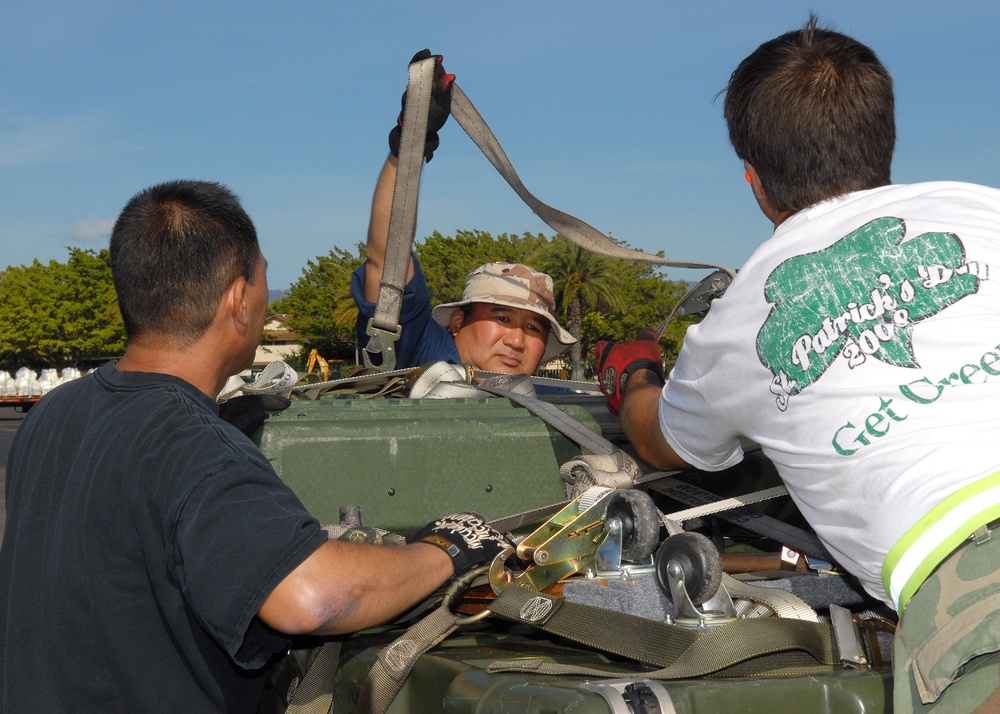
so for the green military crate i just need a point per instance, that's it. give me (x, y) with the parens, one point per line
(408, 461)
(405, 462)
(453, 678)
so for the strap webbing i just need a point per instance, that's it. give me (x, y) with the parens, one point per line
(680, 652)
(753, 646)
(384, 326)
(665, 483)
(748, 518)
(395, 662)
(555, 417)
(569, 226)
(315, 692)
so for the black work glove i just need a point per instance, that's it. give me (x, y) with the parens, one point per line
(466, 537)
(617, 360)
(249, 411)
(440, 107)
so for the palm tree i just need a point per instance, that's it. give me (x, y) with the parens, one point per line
(580, 279)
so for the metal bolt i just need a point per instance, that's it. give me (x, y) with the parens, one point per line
(489, 488)
(391, 492)
(541, 556)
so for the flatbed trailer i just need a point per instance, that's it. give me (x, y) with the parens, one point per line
(22, 401)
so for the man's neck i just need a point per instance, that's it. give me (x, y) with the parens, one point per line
(202, 371)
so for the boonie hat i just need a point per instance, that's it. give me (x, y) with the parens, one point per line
(514, 285)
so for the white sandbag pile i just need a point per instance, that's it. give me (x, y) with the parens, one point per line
(29, 383)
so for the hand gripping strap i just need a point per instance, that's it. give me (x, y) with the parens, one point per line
(383, 330)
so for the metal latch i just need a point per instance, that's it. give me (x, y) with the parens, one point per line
(381, 342)
(590, 534)
(847, 637)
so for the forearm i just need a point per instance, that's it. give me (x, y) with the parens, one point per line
(640, 419)
(378, 229)
(344, 587)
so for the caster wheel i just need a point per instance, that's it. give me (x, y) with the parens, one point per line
(640, 522)
(699, 561)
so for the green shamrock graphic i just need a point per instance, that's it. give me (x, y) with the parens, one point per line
(861, 298)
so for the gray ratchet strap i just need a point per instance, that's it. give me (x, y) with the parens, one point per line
(583, 234)
(558, 420)
(384, 329)
(664, 482)
(588, 387)
(368, 380)
(517, 520)
(749, 519)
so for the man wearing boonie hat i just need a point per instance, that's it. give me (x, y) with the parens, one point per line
(504, 321)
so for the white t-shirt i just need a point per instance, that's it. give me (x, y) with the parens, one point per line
(860, 346)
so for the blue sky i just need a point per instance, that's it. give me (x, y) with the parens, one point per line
(607, 110)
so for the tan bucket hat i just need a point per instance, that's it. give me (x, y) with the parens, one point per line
(515, 285)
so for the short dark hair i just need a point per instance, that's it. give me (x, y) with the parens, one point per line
(813, 112)
(175, 248)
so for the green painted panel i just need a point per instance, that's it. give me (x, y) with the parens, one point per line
(408, 461)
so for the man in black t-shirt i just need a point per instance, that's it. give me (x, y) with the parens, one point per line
(152, 559)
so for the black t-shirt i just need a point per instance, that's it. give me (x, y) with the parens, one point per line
(143, 534)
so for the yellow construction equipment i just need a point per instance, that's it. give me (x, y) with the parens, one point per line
(317, 361)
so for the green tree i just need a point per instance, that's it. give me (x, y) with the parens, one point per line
(581, 280)
(60, 314)
(448, 260)
(649, 298)
(597, 297)
(320, 307)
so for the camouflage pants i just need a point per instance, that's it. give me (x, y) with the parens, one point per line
(947, 647)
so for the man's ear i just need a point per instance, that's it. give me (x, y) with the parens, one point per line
(754, 179)
(456, 321)
(235, 303)
(775, 216)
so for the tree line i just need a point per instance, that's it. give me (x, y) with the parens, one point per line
(59, 314)
(66, 314)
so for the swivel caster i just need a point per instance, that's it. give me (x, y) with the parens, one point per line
(689, 570)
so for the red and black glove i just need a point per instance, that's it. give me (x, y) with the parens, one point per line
(466, 537)
(440, 107)
(617, 360)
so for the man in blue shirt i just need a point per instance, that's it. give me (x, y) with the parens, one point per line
(504, 321)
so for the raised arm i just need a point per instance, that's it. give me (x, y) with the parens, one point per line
(378, 225)
(378, 229)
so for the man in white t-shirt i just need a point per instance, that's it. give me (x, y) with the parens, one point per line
(860, 346)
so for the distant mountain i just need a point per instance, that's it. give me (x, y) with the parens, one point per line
(273, 295)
